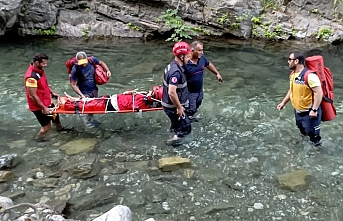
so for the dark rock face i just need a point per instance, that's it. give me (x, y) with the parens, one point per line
(317, 19)
(40, 14)
(9, 11)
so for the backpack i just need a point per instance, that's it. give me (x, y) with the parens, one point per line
(100, 74)
(315, 64)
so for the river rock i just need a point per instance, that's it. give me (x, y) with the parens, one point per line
(101, 196)
(5, 202)
(79, 146)
(14, 195)
(3, 187)
(173, 163)
(188, 173)
(9, 161)
(6, 176)
(44, 183)
(134, 201)
(210, 174)
(85, 168)
(217, 208)
(117, 213)
(295, 181)
(155, 192)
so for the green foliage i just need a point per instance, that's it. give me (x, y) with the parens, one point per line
(269, 5)
(257, 20)
(315, 11)
(207, 32)
(180, 29)
(335, 7)
(337, 2)
(323, 33)
(50, 31)
(199, 30)
(242, 17)
(132, 26)
(85, 31)
(235, 25)
(268, 31)
(223, 18)
(24, 7)
(278, 28)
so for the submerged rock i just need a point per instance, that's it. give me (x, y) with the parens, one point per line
(295, 181)
(83, 169)
(102, 196)
(79, 146)
(6, 176)
(217, 208)
(173, 163)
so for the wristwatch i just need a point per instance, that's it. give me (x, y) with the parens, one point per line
(314, 110)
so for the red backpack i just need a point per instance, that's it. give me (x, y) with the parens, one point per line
(316, 65)
(100, 74)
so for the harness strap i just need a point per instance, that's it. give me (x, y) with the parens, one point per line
(77, 111)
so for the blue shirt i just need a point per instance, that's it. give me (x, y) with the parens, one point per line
(195, 74)
(85, 80)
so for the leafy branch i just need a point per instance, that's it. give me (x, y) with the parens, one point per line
(180, 29)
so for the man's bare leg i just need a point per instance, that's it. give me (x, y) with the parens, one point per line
(43, 131)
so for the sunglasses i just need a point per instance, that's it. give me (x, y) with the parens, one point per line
(292, 59)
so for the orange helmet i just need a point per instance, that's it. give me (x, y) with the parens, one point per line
(158, 92)
(181, 48)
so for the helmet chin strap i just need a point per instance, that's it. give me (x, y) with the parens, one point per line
(183, 59)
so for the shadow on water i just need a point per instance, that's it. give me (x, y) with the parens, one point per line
(240, 137)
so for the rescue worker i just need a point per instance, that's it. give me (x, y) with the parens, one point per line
(38, 95)
(306, 99)
(83, 81)
(175, 92)
(194, 70)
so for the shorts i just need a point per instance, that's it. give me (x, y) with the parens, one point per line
(44, 119)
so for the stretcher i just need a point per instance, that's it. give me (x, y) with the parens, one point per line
(60, 108)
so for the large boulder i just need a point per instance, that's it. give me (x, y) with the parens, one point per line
(9, 11)
(40, 15)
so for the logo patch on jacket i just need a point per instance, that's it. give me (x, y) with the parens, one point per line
(174, 80)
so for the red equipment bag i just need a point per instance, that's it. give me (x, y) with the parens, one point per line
(316, 65)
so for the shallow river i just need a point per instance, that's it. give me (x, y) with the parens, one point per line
(240, 138)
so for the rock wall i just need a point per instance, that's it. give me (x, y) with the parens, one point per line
(266, 19)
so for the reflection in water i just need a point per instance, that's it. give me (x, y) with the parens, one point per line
(240, 135)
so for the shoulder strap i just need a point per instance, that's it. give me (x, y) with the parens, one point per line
(306, 76)
(90, 59)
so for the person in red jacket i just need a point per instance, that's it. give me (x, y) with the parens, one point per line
(38, 95)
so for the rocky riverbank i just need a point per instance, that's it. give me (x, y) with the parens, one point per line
(262, 19)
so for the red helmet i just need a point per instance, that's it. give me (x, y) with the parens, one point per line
(181, 48)
(158, 92)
